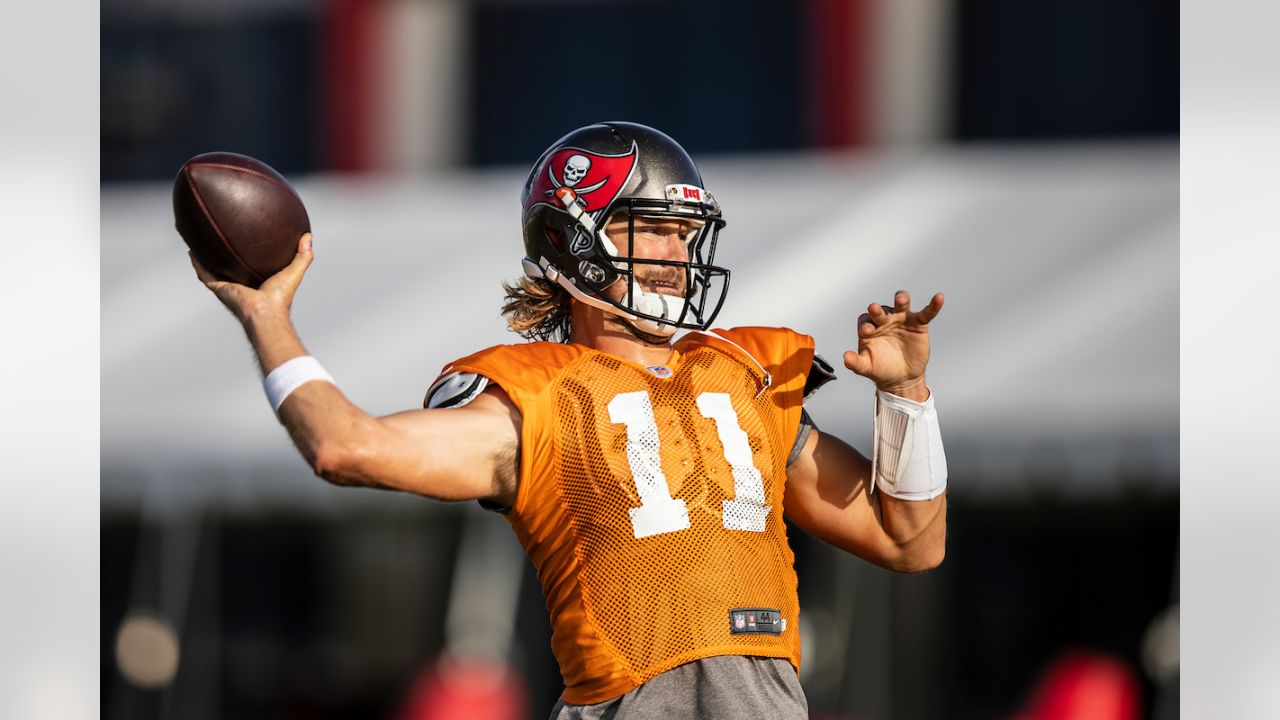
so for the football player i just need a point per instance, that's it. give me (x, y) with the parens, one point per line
(647, 476)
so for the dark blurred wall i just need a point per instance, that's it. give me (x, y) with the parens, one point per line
(296, 84)
(718, 75)
(1026, 580)
(1065, 69)
(279, 614)
(330, 616)
(174, 86)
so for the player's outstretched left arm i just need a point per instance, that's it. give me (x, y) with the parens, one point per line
(829, 487)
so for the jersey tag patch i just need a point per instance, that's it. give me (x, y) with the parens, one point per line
(756, 621)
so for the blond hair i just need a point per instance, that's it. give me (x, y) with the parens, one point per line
(537, 309)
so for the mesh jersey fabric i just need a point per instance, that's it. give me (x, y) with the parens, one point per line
(652, 506)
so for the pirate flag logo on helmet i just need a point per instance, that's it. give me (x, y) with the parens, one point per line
(576, 175)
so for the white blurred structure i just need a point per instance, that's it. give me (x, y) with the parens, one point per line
(1055, 359)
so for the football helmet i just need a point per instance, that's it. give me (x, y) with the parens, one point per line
(605, 171)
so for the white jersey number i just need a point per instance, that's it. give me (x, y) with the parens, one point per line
(659, 512)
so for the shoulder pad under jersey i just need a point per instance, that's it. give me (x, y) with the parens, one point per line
(455, 390)
(820, 373)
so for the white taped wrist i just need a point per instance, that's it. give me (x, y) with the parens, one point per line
(291, 375)
(907, 459)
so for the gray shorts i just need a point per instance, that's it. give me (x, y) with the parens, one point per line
(728, 686)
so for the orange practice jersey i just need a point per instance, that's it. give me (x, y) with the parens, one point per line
(651, 506)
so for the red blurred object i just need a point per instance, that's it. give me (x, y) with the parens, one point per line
(350, 42)
(470, 689)
(1085, 686)
(840, 71)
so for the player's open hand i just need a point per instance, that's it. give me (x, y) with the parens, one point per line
(274, 295)
(893, 345)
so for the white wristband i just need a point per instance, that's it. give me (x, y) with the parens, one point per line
(907, 459)
(289, 376)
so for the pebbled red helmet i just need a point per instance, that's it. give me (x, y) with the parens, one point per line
(588, 177)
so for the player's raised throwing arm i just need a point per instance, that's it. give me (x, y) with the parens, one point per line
(902, 526)
(461, 454)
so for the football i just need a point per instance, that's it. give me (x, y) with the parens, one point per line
(240, 217)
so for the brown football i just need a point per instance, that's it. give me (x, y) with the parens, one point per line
(241, 218)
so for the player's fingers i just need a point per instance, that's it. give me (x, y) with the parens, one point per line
(869, 326)
(298, 266)
(859, 362)
(203, 274)
(879, 314)
(304, 249)
(866, 328)
(902, 301)
(930, 311)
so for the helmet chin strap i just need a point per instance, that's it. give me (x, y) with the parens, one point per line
(667, 307)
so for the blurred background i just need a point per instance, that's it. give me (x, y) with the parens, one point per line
(1021, 157)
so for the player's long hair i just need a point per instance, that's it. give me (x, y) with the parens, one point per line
(537, 309)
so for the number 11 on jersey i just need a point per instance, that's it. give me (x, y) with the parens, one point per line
(659, 512)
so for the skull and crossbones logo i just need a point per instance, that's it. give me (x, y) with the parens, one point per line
(574, 170)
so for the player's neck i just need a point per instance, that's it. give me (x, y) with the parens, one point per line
(610, 334)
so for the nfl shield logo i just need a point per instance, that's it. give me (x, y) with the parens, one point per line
(661, 371)
(739, 621)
